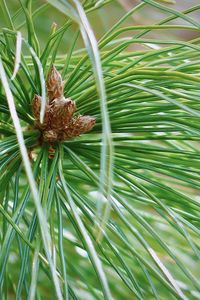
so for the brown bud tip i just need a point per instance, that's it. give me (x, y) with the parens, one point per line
(78, 126)
(54, 84)
(61, 112)
(36, 104)
(85, 123)
(50, 136)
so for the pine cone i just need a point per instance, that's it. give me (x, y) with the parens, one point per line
(77, 126)
(54, 85)
(50, 136)
(59, 124)
(61, 112)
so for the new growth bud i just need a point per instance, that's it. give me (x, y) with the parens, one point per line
(54, 84)
(78, 126)
(59, 123)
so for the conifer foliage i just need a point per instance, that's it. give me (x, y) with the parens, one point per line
(99, 150)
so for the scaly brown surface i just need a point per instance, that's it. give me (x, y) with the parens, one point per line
(59, 123)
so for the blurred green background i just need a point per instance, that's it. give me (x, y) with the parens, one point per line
(101, 20)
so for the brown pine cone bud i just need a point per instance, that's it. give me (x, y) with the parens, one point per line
(50, 136)
(59, 124)
(77, 126)
(61, 112)
(36, 105)
(54, 84)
